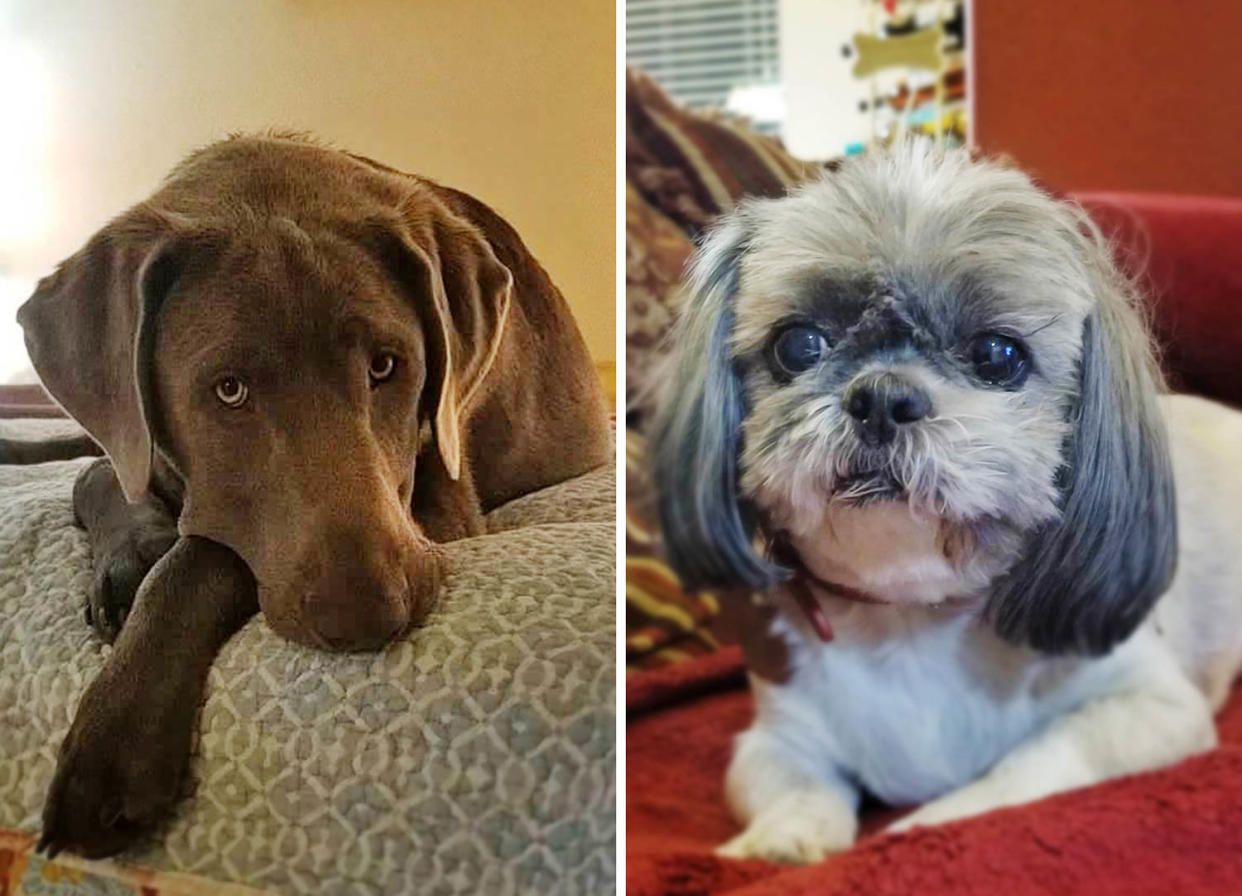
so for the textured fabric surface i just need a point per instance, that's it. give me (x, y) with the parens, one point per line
(1178, 830)
(656, 251)
(663, 623)
(475, 756)
(38, 429)
(694, 166)
(27, 401)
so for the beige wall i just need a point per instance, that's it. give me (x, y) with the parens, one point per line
(511, 100)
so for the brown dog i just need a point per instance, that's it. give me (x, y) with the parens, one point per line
(324, 365)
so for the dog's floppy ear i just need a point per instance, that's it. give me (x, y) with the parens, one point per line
(89, 330)
(697, 430)
(467, 291)
(1088, 580)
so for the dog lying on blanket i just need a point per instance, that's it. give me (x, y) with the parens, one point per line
(924, 386)
(306, 369)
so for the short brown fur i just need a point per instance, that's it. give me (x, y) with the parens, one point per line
(290, 265)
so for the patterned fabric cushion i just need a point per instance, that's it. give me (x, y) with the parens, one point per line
(656, 251)
(694, 166)
(475, 756)
(663, 623)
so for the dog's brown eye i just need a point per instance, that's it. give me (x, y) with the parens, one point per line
(382, 367)
(232, 392)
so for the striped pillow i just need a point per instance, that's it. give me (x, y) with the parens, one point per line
(656, 250)
(695, 166)
(663, 623)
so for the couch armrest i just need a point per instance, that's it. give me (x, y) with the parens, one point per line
(1188, 252)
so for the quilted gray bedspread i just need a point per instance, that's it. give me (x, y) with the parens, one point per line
(476, 756)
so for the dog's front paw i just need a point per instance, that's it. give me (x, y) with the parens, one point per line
(126, 541)
(797, 829)
(119, 771)
(120, 566)
(974, 799)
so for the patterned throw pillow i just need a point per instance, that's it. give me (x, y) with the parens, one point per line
(694, 166)
(663, 623)
(655, 256)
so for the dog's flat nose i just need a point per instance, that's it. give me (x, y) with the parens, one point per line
(881, 402)
(357, 621)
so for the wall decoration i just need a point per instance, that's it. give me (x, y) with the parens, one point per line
(910, 57)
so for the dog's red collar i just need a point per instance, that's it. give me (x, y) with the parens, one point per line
(811, 609)
(804, 580)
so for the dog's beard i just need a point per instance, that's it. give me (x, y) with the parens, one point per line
(853, 473)
(802, 484)
(867, 486)
(818, 486)
(799, 473)
(984, 459)
(909, 469)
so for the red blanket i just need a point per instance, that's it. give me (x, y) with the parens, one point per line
(1175, 831)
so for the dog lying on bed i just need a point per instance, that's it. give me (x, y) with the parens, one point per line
(922, 384)
(306, 369)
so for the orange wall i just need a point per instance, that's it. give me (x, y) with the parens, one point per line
(1113, 94)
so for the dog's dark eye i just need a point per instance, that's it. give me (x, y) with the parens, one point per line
(232, 392)
(999, 360)
(382, 367)
(798, 348)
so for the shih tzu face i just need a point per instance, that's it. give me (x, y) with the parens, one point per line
(925, 341)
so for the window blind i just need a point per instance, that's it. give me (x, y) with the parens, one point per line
(700, 50)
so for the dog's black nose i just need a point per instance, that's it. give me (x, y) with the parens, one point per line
(880, 402)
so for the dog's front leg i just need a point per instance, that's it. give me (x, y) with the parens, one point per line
(794, 809)
(446, 509)
(126, 541)
(122, 762)
(1148, 727)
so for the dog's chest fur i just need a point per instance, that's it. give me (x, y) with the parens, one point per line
(912, 703)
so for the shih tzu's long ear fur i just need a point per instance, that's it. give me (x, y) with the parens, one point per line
(697, 430)
(1089, 579)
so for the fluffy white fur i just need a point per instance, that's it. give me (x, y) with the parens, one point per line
(927, 705)
(1012, 499)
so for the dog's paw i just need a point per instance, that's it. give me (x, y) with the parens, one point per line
(797, 829)
(120, 567)
(126, 541)
(974, 799)
(119, 772)
(910, 822)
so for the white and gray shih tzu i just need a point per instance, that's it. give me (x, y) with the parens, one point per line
(914, 405)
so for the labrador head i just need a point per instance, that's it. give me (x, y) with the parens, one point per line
(300, 334)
